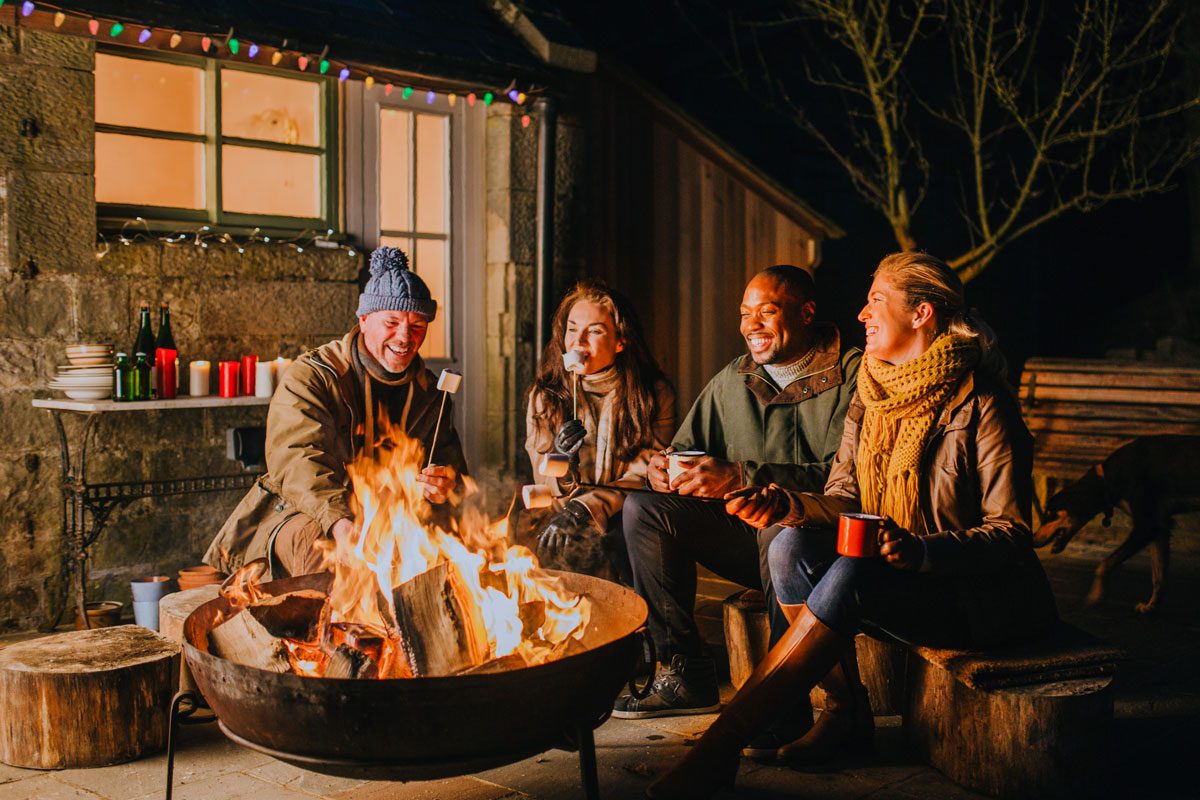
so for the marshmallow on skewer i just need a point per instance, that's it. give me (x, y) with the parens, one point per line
(555, 465)
(573, 361)
(535, 495)
(449, 381)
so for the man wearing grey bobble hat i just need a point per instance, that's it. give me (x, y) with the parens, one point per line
(337, 402)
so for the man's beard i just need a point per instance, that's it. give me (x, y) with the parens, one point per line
(769, 357)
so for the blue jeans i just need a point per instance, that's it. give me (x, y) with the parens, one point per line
(848, 594)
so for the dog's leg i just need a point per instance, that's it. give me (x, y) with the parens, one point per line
(1137, 539)
(1160, 557)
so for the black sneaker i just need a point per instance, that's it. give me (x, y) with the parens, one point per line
(687, 686)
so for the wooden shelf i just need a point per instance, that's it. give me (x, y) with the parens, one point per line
(209, 401)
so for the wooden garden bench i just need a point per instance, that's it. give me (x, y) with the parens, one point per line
(1031, 721)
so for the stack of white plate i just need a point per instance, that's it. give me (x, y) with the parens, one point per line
(89, 355)
(90, 375)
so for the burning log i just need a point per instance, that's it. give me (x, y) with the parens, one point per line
(255, 636)
(347, 662)
(441, 629)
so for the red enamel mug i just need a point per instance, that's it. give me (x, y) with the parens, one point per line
(858, 535)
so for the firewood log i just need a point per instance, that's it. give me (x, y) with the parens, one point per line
(347, 662)
(254, 636)
(441, 629)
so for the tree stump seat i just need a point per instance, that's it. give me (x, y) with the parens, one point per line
(173, 611)
(1030, 721)
(86, 698)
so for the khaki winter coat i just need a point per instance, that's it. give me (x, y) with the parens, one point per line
(315, 427)
(976, 493)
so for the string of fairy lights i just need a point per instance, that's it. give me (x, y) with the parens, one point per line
(229, 46)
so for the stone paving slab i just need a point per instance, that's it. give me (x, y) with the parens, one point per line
(44, 786)
(463, 788)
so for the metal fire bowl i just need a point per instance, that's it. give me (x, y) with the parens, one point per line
(421, 728)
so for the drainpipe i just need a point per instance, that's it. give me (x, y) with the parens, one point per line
(544, 256)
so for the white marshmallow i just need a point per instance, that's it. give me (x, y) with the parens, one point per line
(449, 381)
(555, 465)
(573, 361)
(535, 495)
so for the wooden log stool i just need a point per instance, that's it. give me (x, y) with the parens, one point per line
(86, 698)
(173, 610)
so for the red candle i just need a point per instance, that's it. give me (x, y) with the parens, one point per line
(168, 378)
(248, 369)
(229, 378)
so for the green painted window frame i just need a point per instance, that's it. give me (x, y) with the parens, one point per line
(162, 218)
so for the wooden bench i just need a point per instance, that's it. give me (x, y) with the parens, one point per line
(1080, 410)
(1033, 721)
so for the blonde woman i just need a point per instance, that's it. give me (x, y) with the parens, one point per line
(933, 442)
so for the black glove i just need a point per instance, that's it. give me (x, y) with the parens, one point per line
(572, 524)
(569, 438)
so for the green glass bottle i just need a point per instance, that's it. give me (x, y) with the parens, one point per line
(142, 386)
(122, 378)
(144, 343)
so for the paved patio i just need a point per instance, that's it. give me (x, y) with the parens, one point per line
(1158, 728)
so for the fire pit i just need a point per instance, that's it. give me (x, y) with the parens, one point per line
(430, 727)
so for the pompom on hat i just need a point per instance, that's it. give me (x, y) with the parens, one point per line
(394, 287)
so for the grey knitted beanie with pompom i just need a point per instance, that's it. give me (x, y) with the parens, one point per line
(394, 287)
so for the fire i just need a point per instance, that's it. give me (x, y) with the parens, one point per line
(510, 608)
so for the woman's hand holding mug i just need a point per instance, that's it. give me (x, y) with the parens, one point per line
(900, 548)
(656, 472)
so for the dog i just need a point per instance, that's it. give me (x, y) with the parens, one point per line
(1153, 478)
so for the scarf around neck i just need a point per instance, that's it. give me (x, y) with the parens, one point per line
(597, 413)
(369, 371)
(902, 402)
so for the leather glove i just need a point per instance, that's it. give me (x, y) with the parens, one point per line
(569, 438)
(574, 522)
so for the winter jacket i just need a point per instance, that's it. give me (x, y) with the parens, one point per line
(315, 428)
(786, 436)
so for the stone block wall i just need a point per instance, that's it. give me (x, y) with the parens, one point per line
(57, 285)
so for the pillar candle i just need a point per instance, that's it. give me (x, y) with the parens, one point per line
(229, 378)
(198, 378)
(264, 381)
(281, 366)
(248, 374)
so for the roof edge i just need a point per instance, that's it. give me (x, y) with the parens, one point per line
(552, 53)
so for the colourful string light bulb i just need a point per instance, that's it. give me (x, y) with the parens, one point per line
(116, 29)
(234, 45)
(488, 97)
(302, 63)
(369, 82)
(429, 98)
(205, 43)
(253, 51)
(175, 40)
(471, 99)
(387, 90)
(144, 36)
(94, 26)
(26, 8)
(276, 57)
(345, 73)
(452, 98)
(521, 98)
(407, 93)
(59, 19)
(513, 94)
(324, 66)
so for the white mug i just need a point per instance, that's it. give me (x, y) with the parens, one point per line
(680, 462)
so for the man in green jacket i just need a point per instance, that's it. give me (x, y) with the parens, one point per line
(342, 400)
(773, 415)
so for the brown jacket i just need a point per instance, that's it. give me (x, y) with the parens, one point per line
(314, 429)
(974, 503)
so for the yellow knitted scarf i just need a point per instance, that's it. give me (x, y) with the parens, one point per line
(902, 401)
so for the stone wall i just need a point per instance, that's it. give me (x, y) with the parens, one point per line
(55, 288)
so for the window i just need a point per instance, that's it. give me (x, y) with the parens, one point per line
(414, 204)
(189, 139)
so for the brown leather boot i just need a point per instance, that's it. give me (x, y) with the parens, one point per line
(803, 656)
(792, 724)
(846, 725)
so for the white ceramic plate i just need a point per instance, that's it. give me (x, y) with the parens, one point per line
(88, 394)
(90, 361)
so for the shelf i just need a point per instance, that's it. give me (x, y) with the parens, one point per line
(210, 401)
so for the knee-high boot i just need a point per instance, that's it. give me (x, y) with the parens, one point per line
(845, 726)
(791, 724)
(802, 657)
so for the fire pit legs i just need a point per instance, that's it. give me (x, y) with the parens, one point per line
(180, 716)
(587, 762)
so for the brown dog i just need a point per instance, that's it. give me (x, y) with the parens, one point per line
(1153, 478)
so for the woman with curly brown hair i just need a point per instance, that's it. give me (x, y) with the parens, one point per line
(934, 444)
(622, 412)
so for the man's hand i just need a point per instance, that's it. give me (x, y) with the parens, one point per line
(656, 472)
(439, 482)
(900, 548)
(709, 477)
(758, 506)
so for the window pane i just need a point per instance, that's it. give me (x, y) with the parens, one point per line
(260, 181)
(432, 172)
(136, 170)
(149, 94)
(270, 107)
(395, 138)
(428, 260)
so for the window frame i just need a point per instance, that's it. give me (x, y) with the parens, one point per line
(114, 215)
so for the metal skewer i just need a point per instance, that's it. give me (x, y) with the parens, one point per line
(448, 383)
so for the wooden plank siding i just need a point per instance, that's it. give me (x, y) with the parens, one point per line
(680, 233)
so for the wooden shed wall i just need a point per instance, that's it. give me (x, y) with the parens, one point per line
(680, 234)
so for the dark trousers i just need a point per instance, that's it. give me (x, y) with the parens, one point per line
(848, 594)
(666, 536)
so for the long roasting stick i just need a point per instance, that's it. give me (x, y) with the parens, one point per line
(448, 383)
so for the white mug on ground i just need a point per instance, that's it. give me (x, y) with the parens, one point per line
(555, 465)
(535, 495)
(680, 462)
